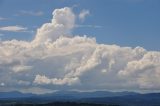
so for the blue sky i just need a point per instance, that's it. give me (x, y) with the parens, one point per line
(123, 22)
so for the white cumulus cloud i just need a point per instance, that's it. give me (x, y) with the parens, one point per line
(57, 60)
(62, 23)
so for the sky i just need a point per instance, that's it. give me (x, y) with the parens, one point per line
(49, 45)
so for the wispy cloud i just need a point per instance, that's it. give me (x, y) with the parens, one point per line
(1, 34)
(88, 26)
(2, 84)
(15, 28)
(130, 1)
(83, 14)
(30, 13)
(3, 18)
(134, 0)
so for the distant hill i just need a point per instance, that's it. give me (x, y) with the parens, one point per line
(92, 94)
(64, 94)
(152, 99)
(100, 97)
(14, 94)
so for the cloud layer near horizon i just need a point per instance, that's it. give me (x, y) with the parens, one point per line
(56, 60)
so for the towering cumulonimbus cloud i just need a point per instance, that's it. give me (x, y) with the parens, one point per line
(61, 25)
(55, 59)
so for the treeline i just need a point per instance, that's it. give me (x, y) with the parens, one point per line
(57, 104)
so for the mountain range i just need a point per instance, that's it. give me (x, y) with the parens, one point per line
(101, 97)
